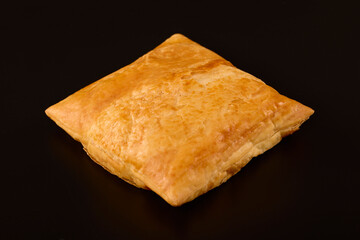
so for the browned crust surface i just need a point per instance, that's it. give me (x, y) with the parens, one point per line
(180, 120)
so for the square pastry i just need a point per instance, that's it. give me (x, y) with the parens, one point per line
(180, 120)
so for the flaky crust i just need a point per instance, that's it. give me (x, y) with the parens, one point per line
(180, 120)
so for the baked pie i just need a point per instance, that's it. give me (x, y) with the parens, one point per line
(180, 120)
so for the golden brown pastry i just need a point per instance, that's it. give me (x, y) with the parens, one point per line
(180, 120)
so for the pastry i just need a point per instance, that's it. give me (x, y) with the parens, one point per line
(180, 120)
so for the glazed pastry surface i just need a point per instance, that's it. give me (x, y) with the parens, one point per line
(180, 120)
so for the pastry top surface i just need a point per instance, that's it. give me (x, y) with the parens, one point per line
(175, 116)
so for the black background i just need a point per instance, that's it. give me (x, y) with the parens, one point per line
(306, 186)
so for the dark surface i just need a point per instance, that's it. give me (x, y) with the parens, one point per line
(306, 186)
